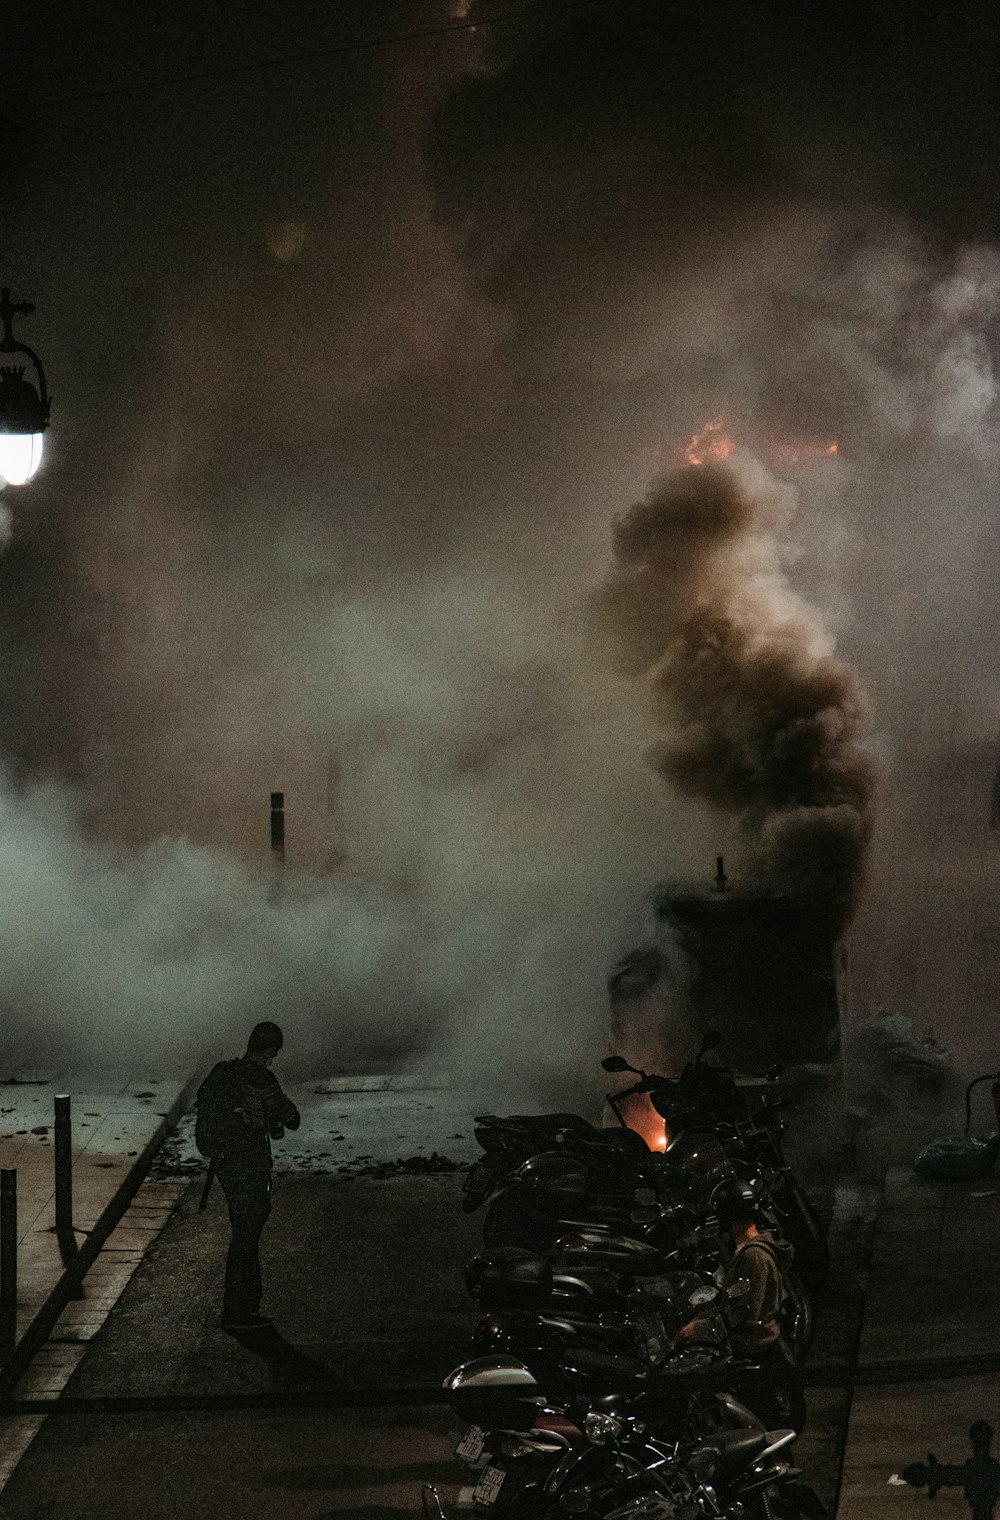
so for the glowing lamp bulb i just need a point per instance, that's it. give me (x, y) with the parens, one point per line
(20, 456)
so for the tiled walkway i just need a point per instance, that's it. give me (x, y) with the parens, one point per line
(52, 1367)
(933, 1294)
(112, 1122)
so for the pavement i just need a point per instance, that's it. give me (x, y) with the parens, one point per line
(362, 1274)
(112, 1122)
(362, 1264)
(160, 1338)
(932, 1307)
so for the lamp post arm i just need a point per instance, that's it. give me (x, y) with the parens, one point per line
(8, 345)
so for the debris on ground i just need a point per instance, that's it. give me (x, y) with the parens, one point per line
(177, 1157)
(407, 1166)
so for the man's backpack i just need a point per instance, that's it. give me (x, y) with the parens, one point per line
(227, 1111)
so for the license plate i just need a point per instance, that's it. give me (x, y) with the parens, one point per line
(489, 1485)
(470, 1447)
(479, 1173)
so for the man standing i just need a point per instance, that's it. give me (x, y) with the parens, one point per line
(240, 1109)
(758, 1263)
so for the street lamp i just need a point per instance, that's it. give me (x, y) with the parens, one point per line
(24, 407)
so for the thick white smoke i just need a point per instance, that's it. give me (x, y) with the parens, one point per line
(490, 819)
(496, 821)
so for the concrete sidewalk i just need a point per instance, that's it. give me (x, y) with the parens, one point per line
(933, 1294)
(112, 1119)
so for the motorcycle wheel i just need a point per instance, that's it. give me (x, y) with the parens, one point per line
(803, 1326)
(514, 1219)
(792, 1501)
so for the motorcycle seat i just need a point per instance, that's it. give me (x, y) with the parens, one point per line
(607, 1368)
(732, 1450)
(592, 1279)
(623, 1139)
(602, 1244)
(596, 1265)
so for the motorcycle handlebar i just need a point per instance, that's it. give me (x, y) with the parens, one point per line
(646, 1084)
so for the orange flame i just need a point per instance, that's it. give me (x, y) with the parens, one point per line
(709, 445)
(641, 1116)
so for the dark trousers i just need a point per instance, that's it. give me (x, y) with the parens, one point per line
(774, 1391)
(248, 1194)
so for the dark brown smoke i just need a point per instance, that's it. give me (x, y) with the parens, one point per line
(764, 719)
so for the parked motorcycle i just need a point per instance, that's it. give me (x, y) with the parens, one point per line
(704, 1102)
(621, 1455)
(588, 1174)
(616, 1160)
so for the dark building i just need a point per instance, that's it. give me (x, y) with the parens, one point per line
(761, 970)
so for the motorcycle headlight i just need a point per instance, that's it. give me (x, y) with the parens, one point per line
(601, 1428)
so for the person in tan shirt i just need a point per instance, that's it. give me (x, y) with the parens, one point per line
(758, 1263)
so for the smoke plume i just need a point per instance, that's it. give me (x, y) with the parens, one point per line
(322, 503)
(764, 719)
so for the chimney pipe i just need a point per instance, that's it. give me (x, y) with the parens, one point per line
(720, 876)
(278, 825)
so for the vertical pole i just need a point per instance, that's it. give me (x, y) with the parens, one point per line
(278, 826)
(8, 1260)
(64, 1179)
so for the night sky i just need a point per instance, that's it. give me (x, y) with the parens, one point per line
(357, 354)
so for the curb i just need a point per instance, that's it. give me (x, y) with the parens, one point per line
(422, 1395)
(331, 1086)
(280, 1398)
(68, 1284)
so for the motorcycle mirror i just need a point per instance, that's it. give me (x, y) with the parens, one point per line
(646, 1213)
(702, 1296)
(644, 1197)
(616, 1063)
(576, 1501)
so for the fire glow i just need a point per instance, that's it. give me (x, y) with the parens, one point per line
(709, 445)
(641, 1116)
(804, 450)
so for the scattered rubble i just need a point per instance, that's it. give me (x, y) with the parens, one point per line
(405, 1167)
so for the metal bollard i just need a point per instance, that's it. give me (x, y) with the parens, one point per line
(8, 1260)
(64, 1180)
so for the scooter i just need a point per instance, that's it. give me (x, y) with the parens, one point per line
(964, 1157)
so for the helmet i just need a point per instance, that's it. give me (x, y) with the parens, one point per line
(734, 1199)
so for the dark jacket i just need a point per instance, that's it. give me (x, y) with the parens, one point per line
(262, 1114)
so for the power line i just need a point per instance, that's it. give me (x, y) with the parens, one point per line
(290, 60)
